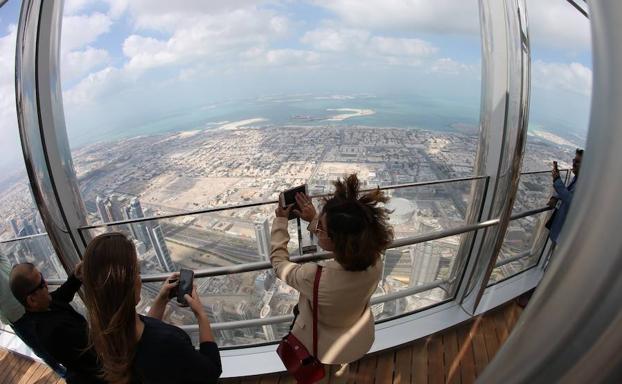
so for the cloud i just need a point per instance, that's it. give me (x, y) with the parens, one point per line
(102, 84)
(336, 39)
(450, 66)
(556, 24)
(573, 77)
(291, 57)
(82, 30)
(207, 37)
(9, 145)
(166, 15)
(72, 7)
(76, 64)
(438, 16)
(349, 41)
(401, 47)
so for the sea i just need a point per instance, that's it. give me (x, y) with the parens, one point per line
(400, 111)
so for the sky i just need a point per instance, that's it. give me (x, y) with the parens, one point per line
(125, 62)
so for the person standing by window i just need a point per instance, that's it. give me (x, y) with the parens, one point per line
(135, 348)
(563, 194)
(355, 229)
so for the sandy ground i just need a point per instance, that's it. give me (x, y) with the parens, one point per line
(186, 193)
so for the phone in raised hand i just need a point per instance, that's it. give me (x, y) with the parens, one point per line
(186, 279)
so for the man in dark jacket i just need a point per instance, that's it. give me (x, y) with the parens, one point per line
(60, 330)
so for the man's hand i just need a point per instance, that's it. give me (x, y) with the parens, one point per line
(307, 210)
(77, 272)
(283, 212)
(555, 171)
(168, 287)
(194, 302)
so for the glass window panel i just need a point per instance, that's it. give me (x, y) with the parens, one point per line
(18, 211)
(188, 106)
(520, 244)
(561, 82)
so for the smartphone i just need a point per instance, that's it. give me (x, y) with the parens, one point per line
(555, 164)
(289, 197)
(186, 279)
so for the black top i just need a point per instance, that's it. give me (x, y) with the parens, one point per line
(63, 333)
(165, 354)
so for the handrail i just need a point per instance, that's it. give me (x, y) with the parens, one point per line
(250, 205)
(542, 172)
(23, 238)
(265, 265)
(411, 240)
(285, 318)
(509, 260)
(532, 212)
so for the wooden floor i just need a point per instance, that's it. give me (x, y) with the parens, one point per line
(457, 355)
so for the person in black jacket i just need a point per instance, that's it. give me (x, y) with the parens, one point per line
(53, 323)
(135, 348)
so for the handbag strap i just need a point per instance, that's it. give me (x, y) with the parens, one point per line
(316, 285)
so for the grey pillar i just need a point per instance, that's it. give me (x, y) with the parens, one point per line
(571, 332)
(503, 131)
(42, 128)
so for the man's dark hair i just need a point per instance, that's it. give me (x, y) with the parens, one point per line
(356, 225)
(20, 283)
(579, 152)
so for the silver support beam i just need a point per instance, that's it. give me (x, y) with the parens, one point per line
(42, 128)
(503, 131)
(571, 332)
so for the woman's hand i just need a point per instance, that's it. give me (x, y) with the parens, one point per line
(283, 212)
(78, 272)
(307, 210)
(205, 330)
(195, 304)
(168, 288)
(166, 293)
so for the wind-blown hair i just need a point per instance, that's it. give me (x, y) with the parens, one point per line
(110, 272)
(356, 225)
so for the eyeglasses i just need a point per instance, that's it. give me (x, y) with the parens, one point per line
(41, 285)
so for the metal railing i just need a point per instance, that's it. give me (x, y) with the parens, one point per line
(265, 265)
(269, 202)
(23, 238)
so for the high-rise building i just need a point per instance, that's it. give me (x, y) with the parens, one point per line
(268, 331)
(14, 226)
(426, 261)
(163, 255)
(27, 229)
(262, 234)
(101, 204)
(140, 230)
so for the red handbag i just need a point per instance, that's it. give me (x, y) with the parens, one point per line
(303, 366)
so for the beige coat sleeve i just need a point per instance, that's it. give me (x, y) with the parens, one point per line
(297, 276)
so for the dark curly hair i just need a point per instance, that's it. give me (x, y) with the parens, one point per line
(357, 227)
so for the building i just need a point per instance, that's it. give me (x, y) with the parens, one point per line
(425, 261)
(101, 209)
(262, 234)
(162, 253)
(14, 226)
(140, 230)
